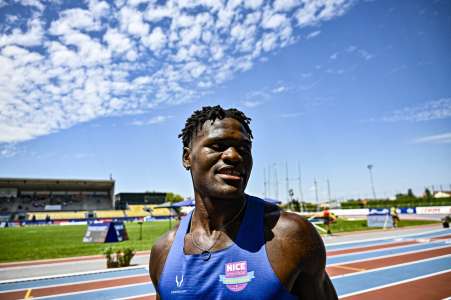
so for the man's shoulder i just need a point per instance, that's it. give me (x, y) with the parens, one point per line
(159, 254)
(303, 248)
(285, 224)
(164, 243)
(288, 225)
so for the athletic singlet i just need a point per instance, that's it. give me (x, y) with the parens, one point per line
(240, 271)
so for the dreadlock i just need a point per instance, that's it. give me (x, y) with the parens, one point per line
(199, 117)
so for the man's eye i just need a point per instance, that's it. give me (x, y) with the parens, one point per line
(216, 147)
(245, 149)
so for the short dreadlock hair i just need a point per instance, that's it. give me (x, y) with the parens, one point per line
(199, 117)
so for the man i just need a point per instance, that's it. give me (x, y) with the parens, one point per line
(328, 218)
(394, 216)
(234, 246)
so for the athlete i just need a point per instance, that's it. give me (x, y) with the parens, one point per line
(234, 246)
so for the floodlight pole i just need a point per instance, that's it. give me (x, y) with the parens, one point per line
(301, 195)
(370, 168)
(316, 194)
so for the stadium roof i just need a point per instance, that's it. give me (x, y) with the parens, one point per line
(53, 184)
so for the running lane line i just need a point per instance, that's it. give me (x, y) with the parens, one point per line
(383, 240)
(52, 281)
(431, 287)
(126, 291)
(76, 287)
(385, 262)
(357, 282)
(355, 257)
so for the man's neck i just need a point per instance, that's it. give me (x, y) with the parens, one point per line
(213, 214)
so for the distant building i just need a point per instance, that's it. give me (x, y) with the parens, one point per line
(442, 194)
(122, 200)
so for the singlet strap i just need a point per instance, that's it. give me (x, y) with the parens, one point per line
(179, 241)
(252, 223)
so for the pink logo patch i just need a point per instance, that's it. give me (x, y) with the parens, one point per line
(236, 276)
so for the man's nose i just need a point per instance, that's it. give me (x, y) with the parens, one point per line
(231, 154)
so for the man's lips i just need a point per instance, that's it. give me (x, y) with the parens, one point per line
(230, 174)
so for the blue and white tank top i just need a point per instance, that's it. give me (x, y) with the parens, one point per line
(240, 271)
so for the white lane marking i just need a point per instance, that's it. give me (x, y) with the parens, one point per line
(387, 248)
(56, 262)
(392, 266)
(137, 296)
(90, 291)
(395, 283)
(386, 238)
(71, 274)
(73, 283)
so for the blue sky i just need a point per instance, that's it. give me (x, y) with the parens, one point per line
(96, 88)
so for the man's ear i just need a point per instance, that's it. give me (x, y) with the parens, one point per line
(186, 159)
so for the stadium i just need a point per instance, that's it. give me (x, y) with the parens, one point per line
(64, 201)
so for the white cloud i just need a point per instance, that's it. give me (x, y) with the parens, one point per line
(117, 41)
(131, 21)
(313, 34)
(31, 37)
(444, 138)
(33, 3)
(432, 110)
(8, 150)
(253, 4)
(285, 5)
(274, 21)
(156, 40)
(155, 14)
(279, 89)
(320, 10)
(101, 58)
(251, 104)
(365, 54)
(151, 121)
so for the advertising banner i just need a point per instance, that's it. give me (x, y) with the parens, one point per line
(379, 218)
(105, 233)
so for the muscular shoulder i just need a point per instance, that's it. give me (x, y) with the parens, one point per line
(287, 226)
(293, 245)
(159, 253)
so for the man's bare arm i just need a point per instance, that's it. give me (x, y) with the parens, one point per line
(312, 281)
(297, 255)
(158, 255)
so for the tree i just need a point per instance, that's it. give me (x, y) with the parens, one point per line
(171, 197)
(427, 193)
(410, 193)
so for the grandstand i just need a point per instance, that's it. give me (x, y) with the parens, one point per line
(26, 200)
(21, 198)
(122, 200)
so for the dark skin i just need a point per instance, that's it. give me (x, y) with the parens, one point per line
(220, 161)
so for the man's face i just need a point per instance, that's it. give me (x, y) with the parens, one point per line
(220, 159)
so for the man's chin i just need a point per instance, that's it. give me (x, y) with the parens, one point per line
(228, 191)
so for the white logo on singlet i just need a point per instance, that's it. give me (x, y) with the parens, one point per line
(179, 283)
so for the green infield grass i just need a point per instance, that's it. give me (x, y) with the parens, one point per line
(53, 241)
(343, 225)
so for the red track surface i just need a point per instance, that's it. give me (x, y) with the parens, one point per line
(431, 288)
(385, 262)
(78, 287)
